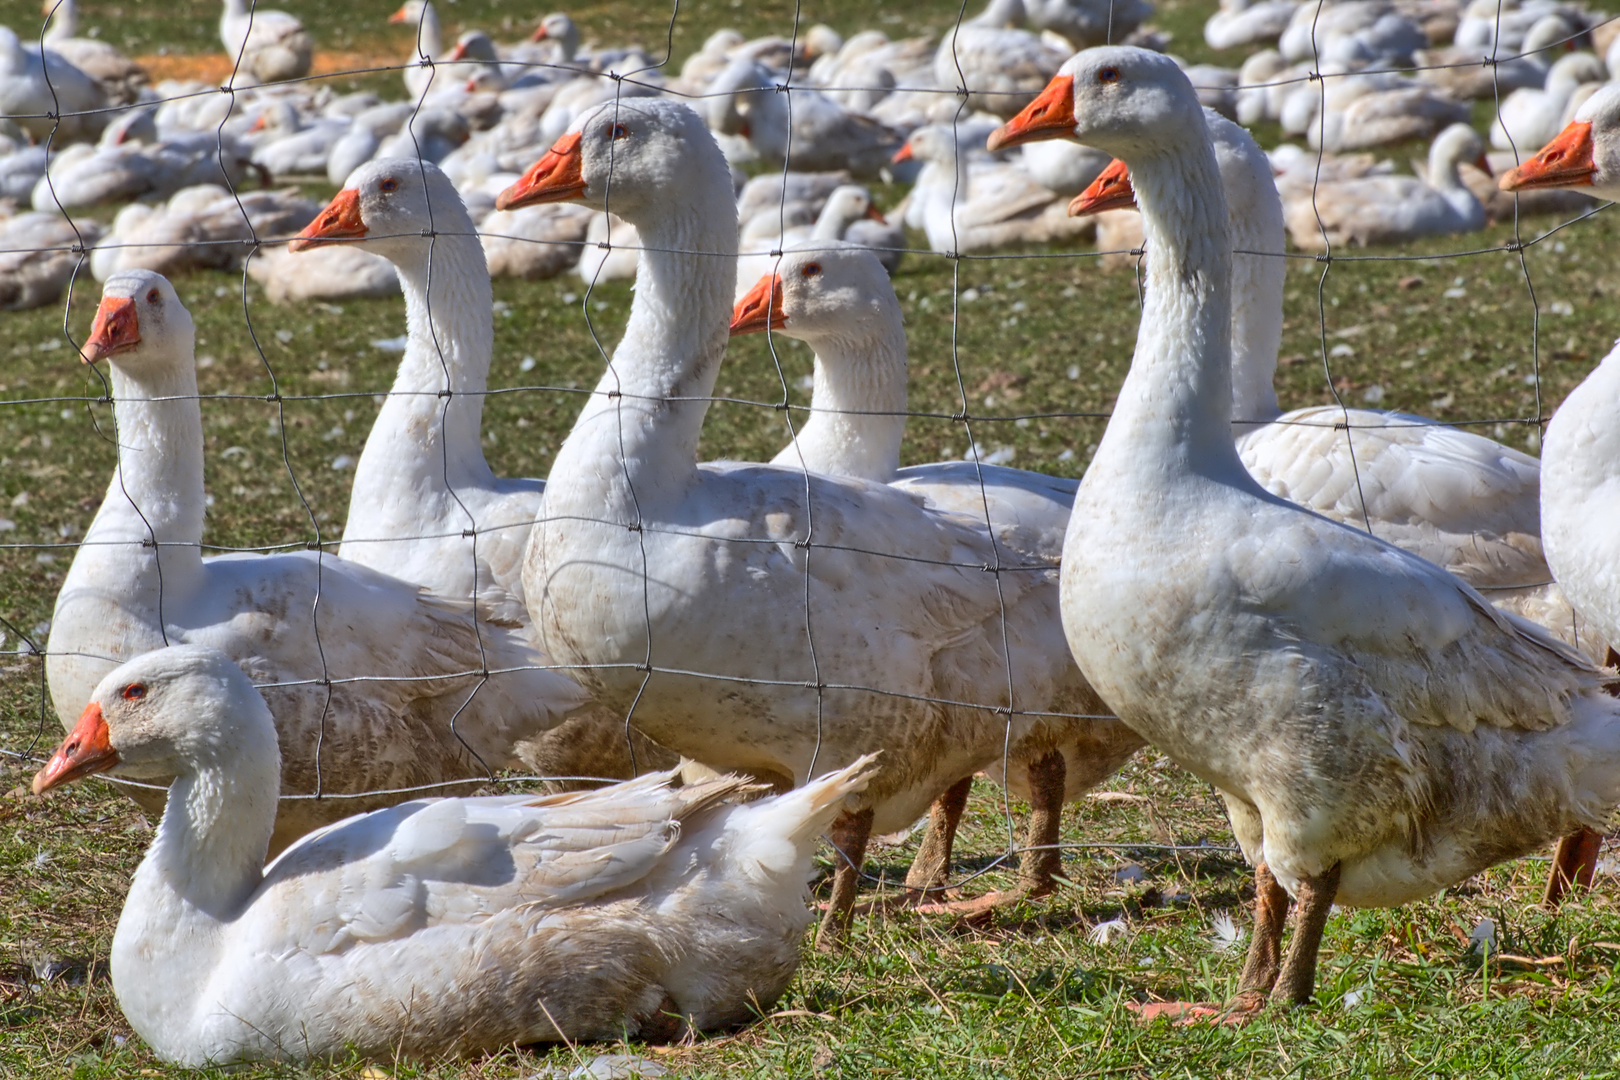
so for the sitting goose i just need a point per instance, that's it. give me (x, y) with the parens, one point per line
(440, 926)
(264, 44)
(121, 78)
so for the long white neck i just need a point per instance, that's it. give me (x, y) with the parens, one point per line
(857, 409)
(1174, 410)
(236, 9)
(427, 434)
(64, 22)
(429, 36)
(156, 492)
(1444, 158)
(672, 348)
(199, 875)
(1257, 303)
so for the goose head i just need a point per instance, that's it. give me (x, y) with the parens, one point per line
(408, 12)
(560, 28)
(1456, 144)
(389, 206)
(140, 321)
(1120, 99)
(474, 46)
(1585, 155)
(642, 154)
(165, 713)
(823, 289)
(1110, 191)
(848, 204)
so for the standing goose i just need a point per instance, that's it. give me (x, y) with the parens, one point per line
(405, 704)
(838, 299)
(760, 619)
(440, 926)
(265, 45)
(425, 505)
(422, 482)
(1457, 499)
(1377, 730)
(1579, 451)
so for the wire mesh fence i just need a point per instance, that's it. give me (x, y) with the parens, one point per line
(802, 671)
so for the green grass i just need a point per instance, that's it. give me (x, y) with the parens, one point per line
(1400, 994)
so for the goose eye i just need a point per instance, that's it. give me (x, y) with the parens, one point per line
(152, 297)
(1108, 74)
(388, 185)
(620, 131)
(134, 691)
(811, 269)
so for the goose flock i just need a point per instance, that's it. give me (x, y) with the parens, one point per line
(1382, 640)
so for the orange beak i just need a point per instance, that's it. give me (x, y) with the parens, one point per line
(875, 214)
(539, 33)
(88, 749)
(902, 154)
(761, 309)
(115, 330)
(1565, 162)
(1110, 191)
(399, 16)
(1483, 164)
(258, 124)
(339, 221)
(556, 177)
(1049, 116)
(457, 53)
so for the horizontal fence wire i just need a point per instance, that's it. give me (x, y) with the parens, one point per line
(1001, 700)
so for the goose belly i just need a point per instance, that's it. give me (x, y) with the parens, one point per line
(740, 631)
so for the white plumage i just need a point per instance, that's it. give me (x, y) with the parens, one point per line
(449, 926)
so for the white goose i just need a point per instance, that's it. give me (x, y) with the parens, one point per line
(422, 482)
(1455, 498)
(292, 620)
(266, 45)
(1377, 730)
(35, 87)
(120, 77)
(425, 505)
(1245, 22)
(440, 926)
(1531, 116)
(903, 629)
(837, 298)
(811, 132)
(37, 259)
(1391, 209)
(848, 206)
(1578, 455)
(965, 205)
(997, 67)
(423, 17)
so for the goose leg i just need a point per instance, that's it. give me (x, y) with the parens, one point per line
(1264, 961)
(849, 835)
(932, 865)
(1573, 864)
(1315, 900)
(1041, 860)
(1259, 969)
